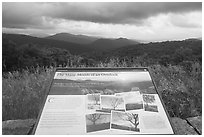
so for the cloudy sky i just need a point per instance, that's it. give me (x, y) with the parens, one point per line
(141, 21)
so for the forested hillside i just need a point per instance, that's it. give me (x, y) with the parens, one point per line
(19, 39)
(164, 53)
(19, 53)
(111, 44)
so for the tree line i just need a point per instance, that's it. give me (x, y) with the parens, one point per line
(28, 56)
(18, 57)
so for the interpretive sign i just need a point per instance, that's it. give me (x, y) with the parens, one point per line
(103, 101)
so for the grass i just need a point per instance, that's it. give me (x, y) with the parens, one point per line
(22, 93)
(133, 106)
(152, 108)
(98, 127)
(181, 89)
(115, 126)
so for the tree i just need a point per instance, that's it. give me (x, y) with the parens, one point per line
(151, 90)
(93, 117)
(130, 117)
(86, 91)
(182, 54)
(9, 55)
(165, 60)
(135, 89)
(115, 102)
(95, 98)
(149, 98)
(108, 92)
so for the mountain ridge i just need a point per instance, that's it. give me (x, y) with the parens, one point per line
(79, 39)
(110, 44)
(98, 44)
(22, 39)
(95, 43)
(119, 46)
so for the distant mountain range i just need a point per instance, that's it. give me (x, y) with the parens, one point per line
(194, 39)
(107, 44)
(39, 35)
(95, 43)
(76, 44)
(79, 39)
(20, 39)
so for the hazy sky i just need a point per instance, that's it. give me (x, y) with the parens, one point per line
(144, 21)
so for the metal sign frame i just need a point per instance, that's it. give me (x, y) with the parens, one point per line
(103, 70)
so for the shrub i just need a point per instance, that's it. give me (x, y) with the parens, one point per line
(180, 88)
(181, 91)
(23, 92)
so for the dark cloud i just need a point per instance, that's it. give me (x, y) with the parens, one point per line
(31, 14)
(20, 15)
(118, 13)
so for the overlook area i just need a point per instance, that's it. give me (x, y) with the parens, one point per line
(39, 37)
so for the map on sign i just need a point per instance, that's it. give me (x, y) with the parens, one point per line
(103, 101)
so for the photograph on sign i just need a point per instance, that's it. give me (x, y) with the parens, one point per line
(111, 102)
(150, 103)
(133, 100)
(97, 122)
(104, 83)
(125, 121)
(93, 101)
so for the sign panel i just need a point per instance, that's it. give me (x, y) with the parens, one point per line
(103, 101)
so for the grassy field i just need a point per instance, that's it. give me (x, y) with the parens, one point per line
(98, 127)
(115, 126)
(181, 89)
(133, 106)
